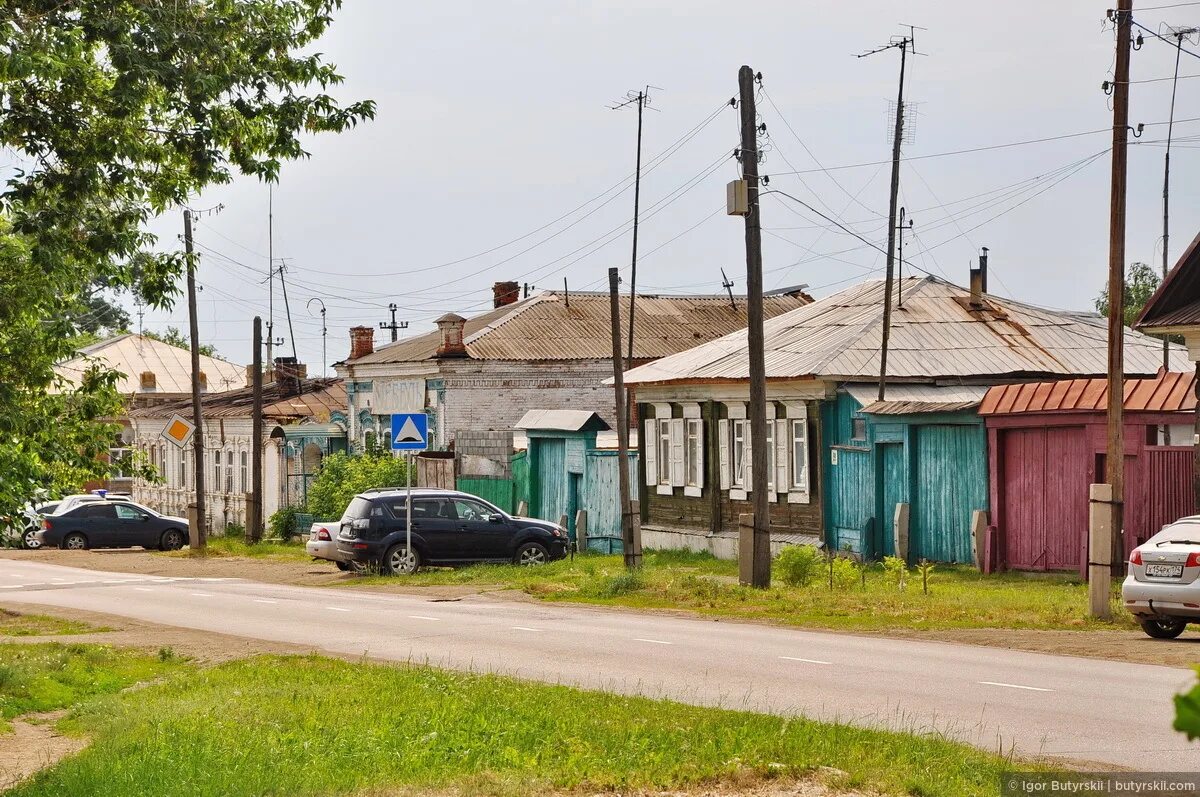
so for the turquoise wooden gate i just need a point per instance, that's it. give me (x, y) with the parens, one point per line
(950, 483)
(551, 478)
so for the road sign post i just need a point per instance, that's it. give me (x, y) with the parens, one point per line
(410, 434)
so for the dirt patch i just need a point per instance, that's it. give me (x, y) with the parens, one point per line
(1131, 646)
(33, 745)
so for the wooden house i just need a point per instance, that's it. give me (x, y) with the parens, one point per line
(839, 460)
(1047, 443)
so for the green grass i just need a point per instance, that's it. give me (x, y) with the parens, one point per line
(316, 726)
(49, 676)
(237, 546)
(19, 624)
(959, 596)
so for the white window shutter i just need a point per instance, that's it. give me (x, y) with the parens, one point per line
(723, 451)
(701, 451)
(650, 446)
(782, 460)
(747, 458)
(676, 432)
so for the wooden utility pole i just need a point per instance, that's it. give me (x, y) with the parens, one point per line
(1115, 457)
(197, 535)
(254, 523)
(890, 276)
(754, 549)
(632, 542)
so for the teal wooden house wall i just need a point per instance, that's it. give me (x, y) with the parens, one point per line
(935, 462)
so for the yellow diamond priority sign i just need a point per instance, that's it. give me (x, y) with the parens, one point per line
(179, 430)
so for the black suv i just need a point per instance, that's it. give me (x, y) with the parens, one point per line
(448, 527)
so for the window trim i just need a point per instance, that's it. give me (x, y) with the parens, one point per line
(693, 456)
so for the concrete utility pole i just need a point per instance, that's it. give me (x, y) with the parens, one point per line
(889, 279)
(1109, 549)
(254, 524)
(754, 545)
(198, 534)
(641, 99)
(632, 543)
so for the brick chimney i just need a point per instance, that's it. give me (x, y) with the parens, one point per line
(504, 293)
(362, 342)
(288, 375)
(451, 326)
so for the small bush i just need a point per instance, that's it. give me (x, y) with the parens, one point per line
(282, 524)
(896, 570)
(845, 573)
(798, 565)
(618, 585)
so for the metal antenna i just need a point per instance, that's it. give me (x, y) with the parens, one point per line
(727, 284)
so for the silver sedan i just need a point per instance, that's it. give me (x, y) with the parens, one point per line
(1162, 589)
(322, 544)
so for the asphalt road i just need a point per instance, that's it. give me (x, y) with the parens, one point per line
(1084, 709)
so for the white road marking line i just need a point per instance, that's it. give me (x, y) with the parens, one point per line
(1016, 686)
(144, 589)
(336, 609)
(806, 661)
(12, 586)
(421, 617)
(523, 628)
(121, 580)
(201, 594)
(264, 600)
(653, 641)
(223, 578)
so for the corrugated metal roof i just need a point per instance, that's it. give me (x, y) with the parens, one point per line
(1170, 391)
(1177, 300)
(576, 326)
(935, 334)
(318, 398)
(907, 399)
(132, 355)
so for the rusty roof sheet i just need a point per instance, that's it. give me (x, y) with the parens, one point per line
(1170, 391)
(905, 399)
(555, 326)
(935, 334)
(132, 355)
(317, 398)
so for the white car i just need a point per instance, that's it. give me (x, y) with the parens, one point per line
(1162, 589)
(322, 544)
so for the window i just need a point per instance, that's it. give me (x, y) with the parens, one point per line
(664, 450)
(799, 428)
(471, 510)
(858, 428)
(119, 458)
(244, 481)
(216, 462)
(97, 510)
(427, 508)
(693, 454)
(229, 471)
(739, 428)
(183, 469)
(771, 457)
(126, 512)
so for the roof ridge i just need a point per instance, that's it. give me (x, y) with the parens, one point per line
(870, 323)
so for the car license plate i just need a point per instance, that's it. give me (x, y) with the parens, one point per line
(1164, 571)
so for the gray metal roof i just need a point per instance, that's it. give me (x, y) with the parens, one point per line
(936, 334)
(563, 421)
(903, 399)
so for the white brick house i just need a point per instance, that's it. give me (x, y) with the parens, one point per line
(551, 350)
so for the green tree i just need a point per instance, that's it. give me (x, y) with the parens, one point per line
(1187, 712)
(343, 476)
(174, 337)
(1141, 281)
(117, 112)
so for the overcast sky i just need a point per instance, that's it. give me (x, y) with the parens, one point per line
(494, 122)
